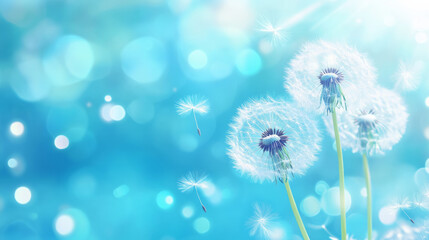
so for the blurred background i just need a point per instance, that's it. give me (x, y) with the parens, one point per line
(91, 146)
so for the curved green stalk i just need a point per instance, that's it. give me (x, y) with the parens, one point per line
(341, 170)
(295, 210)
(368, 195)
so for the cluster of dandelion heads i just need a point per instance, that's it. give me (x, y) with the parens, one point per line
(328, 75)
(375, 126)
(272, 139)
(261, 223)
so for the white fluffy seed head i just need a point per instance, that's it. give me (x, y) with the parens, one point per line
(389, 113)
(302, 81)
(253, 119)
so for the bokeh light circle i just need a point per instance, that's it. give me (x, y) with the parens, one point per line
(197, 59)
(64, 224)
(17, 128)
(72, 224)
(321, 187)
(248, 62)
(61, 142)
(164, 199)
(310, 206)
(117, 113)
(202, 225)
(144, 59)
(387, 215)
(12, 163)
(69, 60)
(22, 195)
(187, 211)
(331, 201)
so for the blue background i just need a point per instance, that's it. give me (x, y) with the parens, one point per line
(118, 178)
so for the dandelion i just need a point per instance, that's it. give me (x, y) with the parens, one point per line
(274, 140)
(193, 181)
(374, 128)
(193, 104)
(334, 76)
(262, 221)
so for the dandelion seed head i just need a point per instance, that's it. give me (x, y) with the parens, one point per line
(262, 222)
(191, 104)
(270, 139)
(191, 181)
(376, 126)
(328, 74)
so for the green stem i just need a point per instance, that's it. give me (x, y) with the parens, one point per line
(368, 195)
(295, 210)
(341, 170)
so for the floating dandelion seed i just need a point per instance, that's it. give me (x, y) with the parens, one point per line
(193, 181)
(194, 104)
(408, 76)
(328, 73)
(376, 126)
(276, 33)
(271, 140)
(262, 221)
(402, 204)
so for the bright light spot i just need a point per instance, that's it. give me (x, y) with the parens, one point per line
(197, 59)
(61, 142)
(310, 206)
(105, 112)
(427, 102)
(387, 215)
(330, 201)
(108, 98)
(188, 211)
(117, 112)
(17, 128)
(202, 225)
(421, 37)
(248, 62)
(358, 20)
(426, 133)
(164, 199)
(12, 163)
(169, 200)
(363, 192)
(22, 195)
(64, 224)
(121, 191)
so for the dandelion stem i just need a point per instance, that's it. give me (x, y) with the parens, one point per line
(368, 195)
(198, 195)
(196, 123)
(341, 171)
(295, 210)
